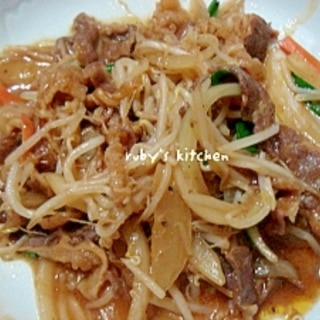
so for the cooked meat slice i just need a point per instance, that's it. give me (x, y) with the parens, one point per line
(95, 73)
(85, 39)
(265, 287)
(117, 41)
(256, 106)
(259, 37)
(96, 76)
(301, 157)
(66, 249)
(310, 209)
(240, 276)
(92, 42)
(288, 204)
(86, 233)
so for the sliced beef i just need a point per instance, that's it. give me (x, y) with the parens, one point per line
(85, 39)
(79, 257)
(259, 36)
(310, 209)
(38, 240)
(117, 41)
(8, 144)
(96, 76)
(265, 287)
(76, 249)
(92, 41)
(301, 157)
(239, 274)
(256, 105)
(288, 204)
(86, 233)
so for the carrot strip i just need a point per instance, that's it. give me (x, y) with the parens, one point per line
(6, 96)
(28, 128)
(289, 45)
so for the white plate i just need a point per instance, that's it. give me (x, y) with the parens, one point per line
(27, 21)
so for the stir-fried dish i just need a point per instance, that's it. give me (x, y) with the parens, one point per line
(166, 169)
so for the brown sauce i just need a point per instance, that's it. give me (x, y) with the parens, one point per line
(289, 299)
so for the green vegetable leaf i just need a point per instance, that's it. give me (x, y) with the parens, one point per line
(301, 83)
(245, 129)
(109, 67)
(31, 254)
(205, 162)
(218, 77)
(314, 106)
(213, 8)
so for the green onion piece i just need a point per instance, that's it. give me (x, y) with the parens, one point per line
(205, 162)
(244, 129)
(314, 106)
(109, 67)
(218, 77)
(301, 83)
(31, 254)
(213, 8)
(252, 149)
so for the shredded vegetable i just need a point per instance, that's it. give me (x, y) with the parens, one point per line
(28, 128)
(6, 96)
(289, 45)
